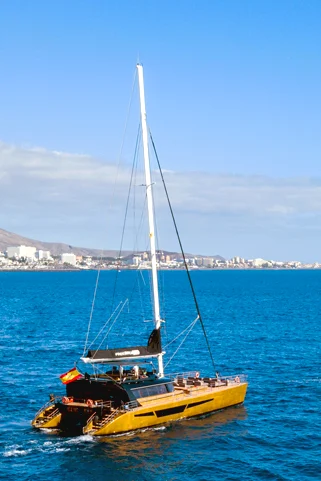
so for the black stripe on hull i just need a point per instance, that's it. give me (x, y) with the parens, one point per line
(199, 402)
(144, 414)
(167, 412)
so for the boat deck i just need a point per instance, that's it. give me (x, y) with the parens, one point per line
(183, 393)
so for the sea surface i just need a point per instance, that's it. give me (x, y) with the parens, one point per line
(262, 323)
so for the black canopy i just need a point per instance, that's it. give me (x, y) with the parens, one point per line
(152, 349)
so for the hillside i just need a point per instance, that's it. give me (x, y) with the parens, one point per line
(56, 248)
(10, 239)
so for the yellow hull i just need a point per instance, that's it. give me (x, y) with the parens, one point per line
(163, 409)
(47, 418)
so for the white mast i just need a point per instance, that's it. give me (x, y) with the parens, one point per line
(149, 194)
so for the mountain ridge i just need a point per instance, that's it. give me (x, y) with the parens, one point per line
(8, 239)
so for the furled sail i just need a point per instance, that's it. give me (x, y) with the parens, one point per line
(153, 349)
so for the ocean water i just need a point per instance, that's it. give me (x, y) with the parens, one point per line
(263, 323)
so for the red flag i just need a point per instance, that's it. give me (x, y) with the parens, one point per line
(70, 376)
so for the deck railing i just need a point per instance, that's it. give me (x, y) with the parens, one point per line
(184, 375)
(196, 375)
(48, 404)
(130, 405)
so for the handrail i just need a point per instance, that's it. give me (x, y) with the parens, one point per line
(130, 405)
(242, 377)
(112, 415)
(42, 420)
(173, 376)
(45, 406)
(89, 420)
(185, 375)
(53, 414)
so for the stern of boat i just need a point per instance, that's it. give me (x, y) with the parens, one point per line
(49, 416)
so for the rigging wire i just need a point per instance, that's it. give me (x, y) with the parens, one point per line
(106, 323)
(125, 219)
(181, 333)
(189, 331)
(92, 310)
(118, 314)
(141, 220)
(183, 255)
(136, 231)
(140, 223)
(111, 201)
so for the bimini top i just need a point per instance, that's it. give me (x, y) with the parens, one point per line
(153, 349)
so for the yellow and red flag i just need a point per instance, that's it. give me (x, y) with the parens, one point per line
(70, 376)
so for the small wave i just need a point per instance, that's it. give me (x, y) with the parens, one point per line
(140, 431)
(47, 447)
(16, 452)
(61, 450)
(86, 438)
(49, 431)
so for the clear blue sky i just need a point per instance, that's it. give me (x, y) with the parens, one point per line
(233, 87)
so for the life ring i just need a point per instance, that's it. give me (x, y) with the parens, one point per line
(237, 379)
(90, 403)
(197, 374)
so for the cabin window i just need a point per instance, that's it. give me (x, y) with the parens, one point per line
(150, 390)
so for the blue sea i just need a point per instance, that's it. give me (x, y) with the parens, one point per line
(262, 323)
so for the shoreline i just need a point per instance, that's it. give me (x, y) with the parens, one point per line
(169, 269)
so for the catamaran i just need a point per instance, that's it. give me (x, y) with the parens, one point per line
(126, 392)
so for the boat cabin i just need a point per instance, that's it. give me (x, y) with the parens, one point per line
(120, 383)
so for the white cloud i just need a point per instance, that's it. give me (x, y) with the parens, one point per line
(246, 195)
(59, 196)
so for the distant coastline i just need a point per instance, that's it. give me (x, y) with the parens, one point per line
(168, 269)
(19, 253)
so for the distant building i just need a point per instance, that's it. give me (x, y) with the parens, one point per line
(21, 252)
(208, 261)
(259, 262)
(68, 258)
(45, 255)
(136, 260)
(3, 259)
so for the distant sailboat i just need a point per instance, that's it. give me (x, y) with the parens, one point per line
(131, 394)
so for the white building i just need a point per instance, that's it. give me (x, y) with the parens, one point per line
(208, 261)
(237, 260)
(68, 258)
(260, 262)
(22, 252)
(43, 255)
(136, 260)
(3, 259)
